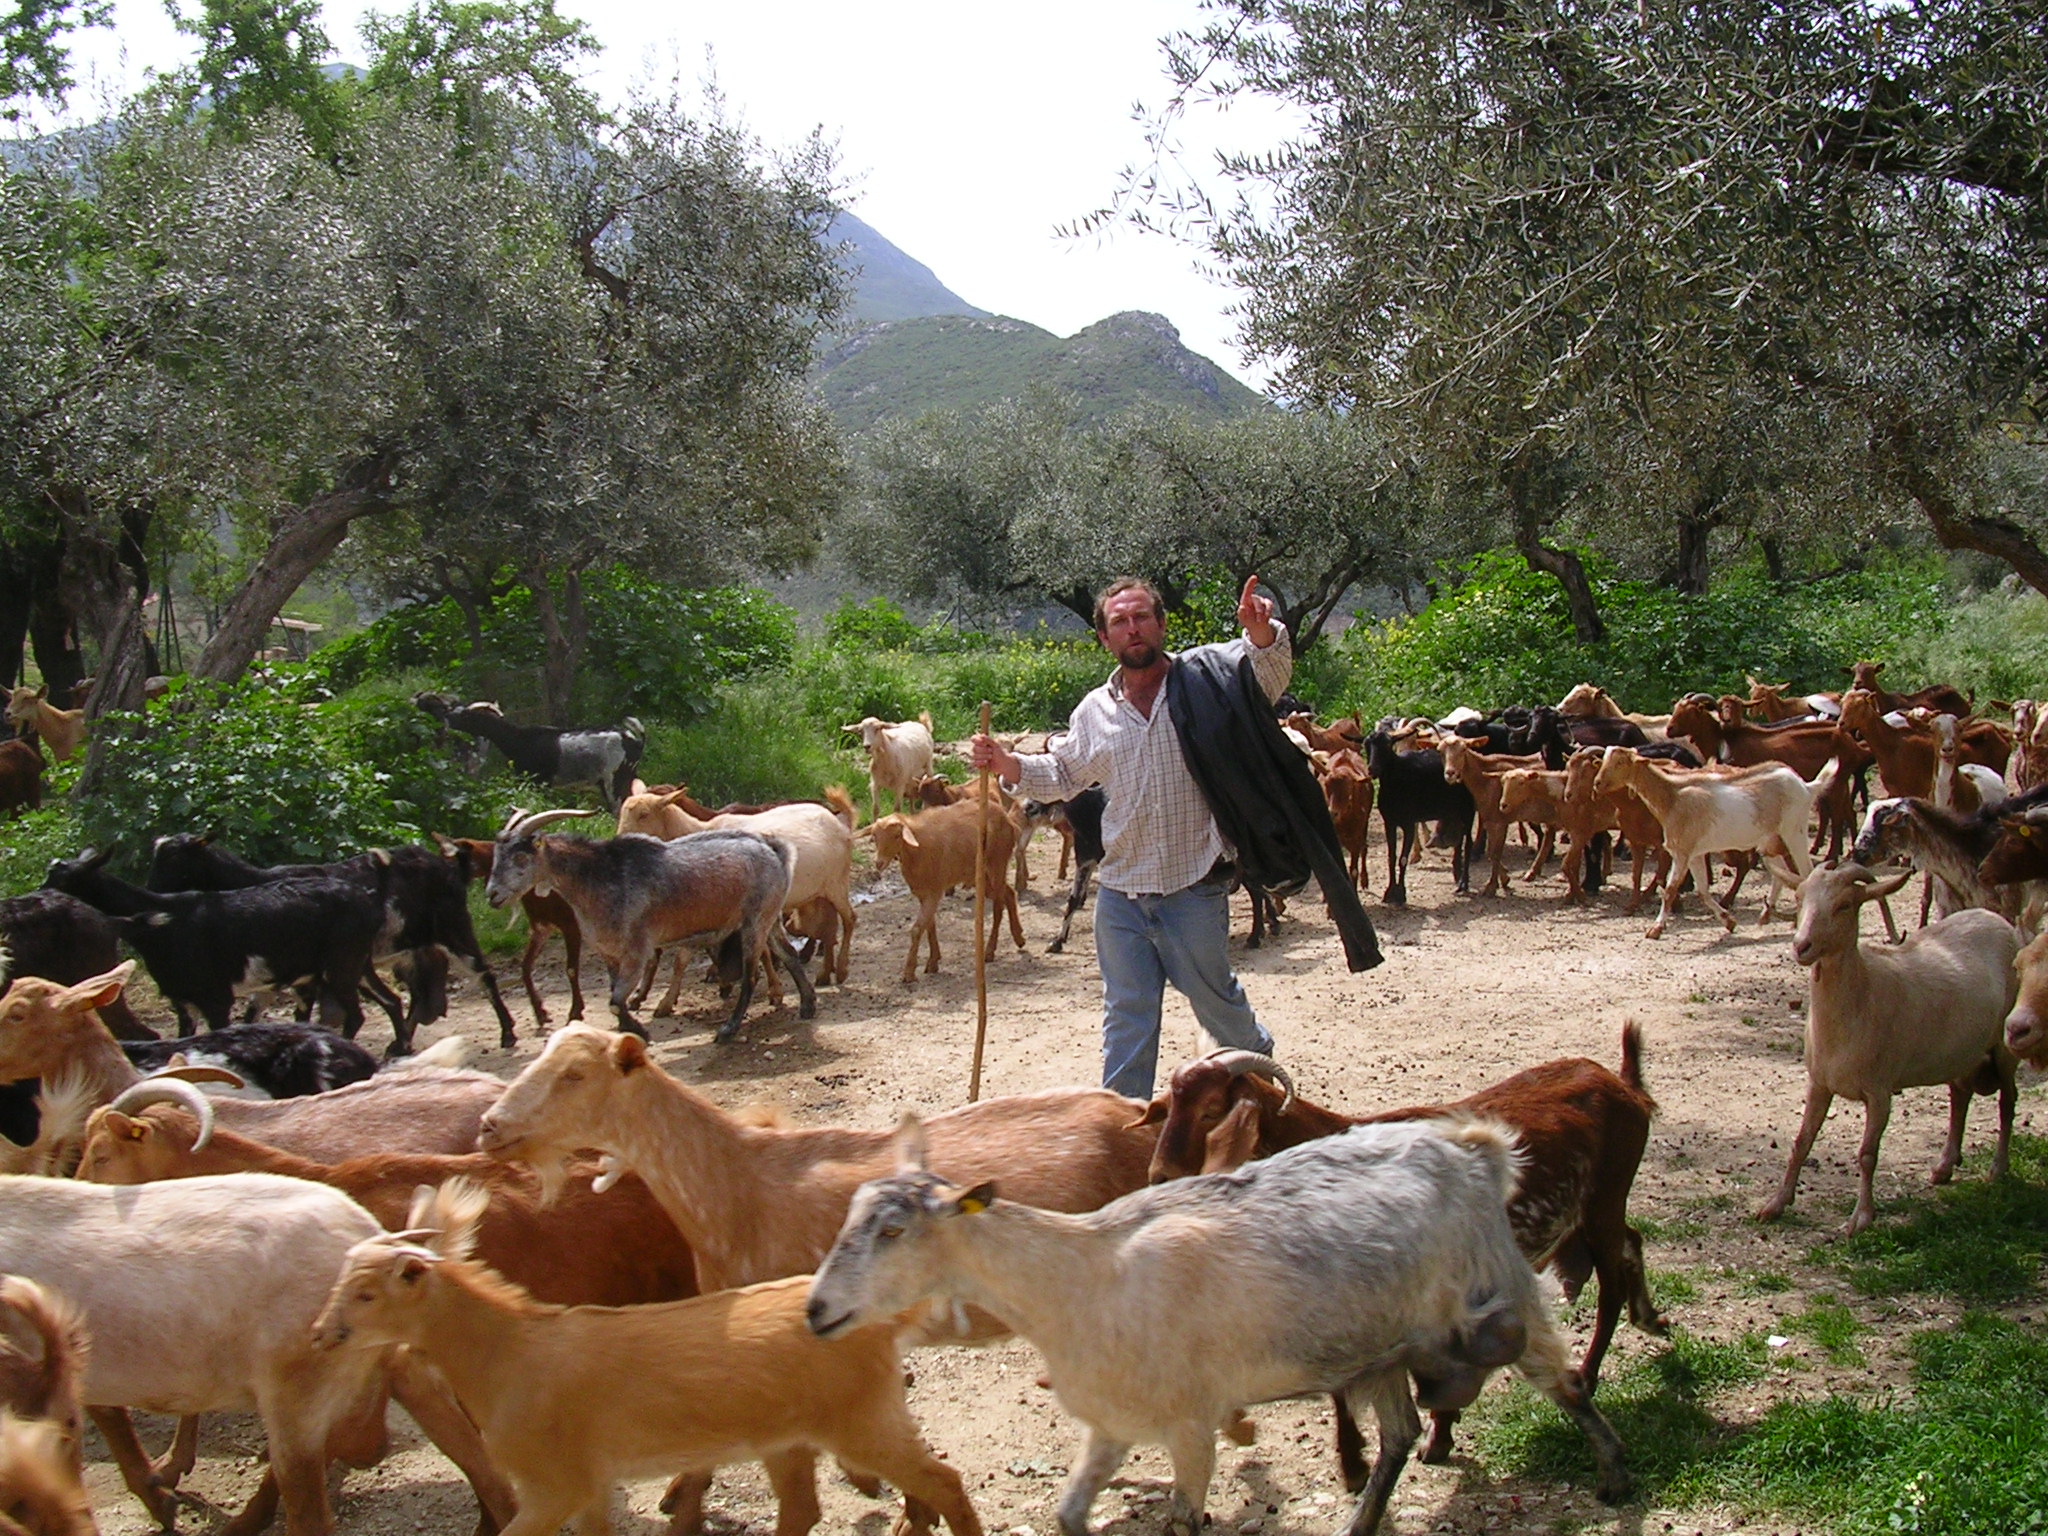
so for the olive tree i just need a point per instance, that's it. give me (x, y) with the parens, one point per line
(1518, 227)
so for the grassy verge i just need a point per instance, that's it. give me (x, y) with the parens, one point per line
(1961, 1453)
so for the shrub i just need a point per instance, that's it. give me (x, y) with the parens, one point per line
(1504, 636)
(654, 649)
(875, 625)
(1029, 685)
(750, 749)
(29, 842)
(281, 778)
(835, 688)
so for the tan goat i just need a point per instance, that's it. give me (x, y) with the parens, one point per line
(613, 1249)
(572, 1399)
(936, 849)
(61, 729)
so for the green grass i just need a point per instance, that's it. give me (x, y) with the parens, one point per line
(753, 747)
(1656, 1402)
(1962, 1453)
(1964, 1457)
(500, 933)
(1831, 1327)
(30, 841)
(1977, 1241)
(1672, 1288)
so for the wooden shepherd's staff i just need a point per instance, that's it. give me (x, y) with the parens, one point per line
(980, 905)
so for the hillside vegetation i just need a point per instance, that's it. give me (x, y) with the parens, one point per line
(958, 362)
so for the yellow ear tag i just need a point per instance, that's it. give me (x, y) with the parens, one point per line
(972, 1205)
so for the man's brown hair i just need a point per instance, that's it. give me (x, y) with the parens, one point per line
(1127, 584)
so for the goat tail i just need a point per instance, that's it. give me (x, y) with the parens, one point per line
(1497, 1143)
(842, 805)
(450, 1052)
(785, 850)
(924, 718)
(60, 1329)
(1632, 1059)
(1823, 781)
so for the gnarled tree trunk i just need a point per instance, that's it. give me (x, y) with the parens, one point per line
(299, 543)
(1562, 564)
(565, 626)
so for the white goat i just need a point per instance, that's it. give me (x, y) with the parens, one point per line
(200, 1294)
(1764, 808)
(1880, 1018)
(572, 1399)
(899, 754)
(1342, 1265)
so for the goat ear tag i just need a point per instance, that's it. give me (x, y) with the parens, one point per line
(977, 1199)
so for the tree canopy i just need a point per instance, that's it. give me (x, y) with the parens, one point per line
(452, 302)
(1523, 233)
(1014, 504)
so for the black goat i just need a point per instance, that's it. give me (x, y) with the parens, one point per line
(427, 917)
(1411, 790)
(1082, 815)
(285, 1061)
(607, 757)
(1521, 731)
(61, 939)
(205, 947)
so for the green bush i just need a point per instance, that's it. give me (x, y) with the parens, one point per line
(280, 777)
(1032, 685)
(1504, 636)
(654, 649)
(875, 625)
(30, 841)
(834, 688)
(752, 747)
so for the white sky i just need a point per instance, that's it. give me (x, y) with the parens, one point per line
(968, 132)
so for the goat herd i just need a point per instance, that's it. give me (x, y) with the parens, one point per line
(594, 1273)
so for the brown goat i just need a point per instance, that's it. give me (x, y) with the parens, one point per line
(1582, 1131)
(61, 730)
(1906, 755)
(43, 1384)
(1347, 790)
(937, 851)
(1804, 748)
(612, 1249)
(21, 776)
(544, 915)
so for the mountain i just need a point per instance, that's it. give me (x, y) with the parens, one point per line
(887, 284)
(907, 367)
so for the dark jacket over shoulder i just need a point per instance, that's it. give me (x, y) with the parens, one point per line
(1260, 788)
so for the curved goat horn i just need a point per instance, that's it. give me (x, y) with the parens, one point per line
(1237, 1063)
(170, 1090)
(533, 823)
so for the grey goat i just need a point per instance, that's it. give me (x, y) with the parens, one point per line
(634, 895)
(1345, 1265)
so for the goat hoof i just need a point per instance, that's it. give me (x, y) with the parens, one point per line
(727, 1032)
(1436, 1450)
(1615, 1490)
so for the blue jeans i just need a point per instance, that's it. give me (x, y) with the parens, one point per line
(1142, 943)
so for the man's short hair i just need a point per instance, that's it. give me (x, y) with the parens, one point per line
(1127, 584)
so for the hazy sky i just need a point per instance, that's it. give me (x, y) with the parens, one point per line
(967, 132)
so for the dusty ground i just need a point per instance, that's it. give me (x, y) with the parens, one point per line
(1471, 991)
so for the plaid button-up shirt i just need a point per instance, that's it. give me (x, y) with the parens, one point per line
(1157, 834)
